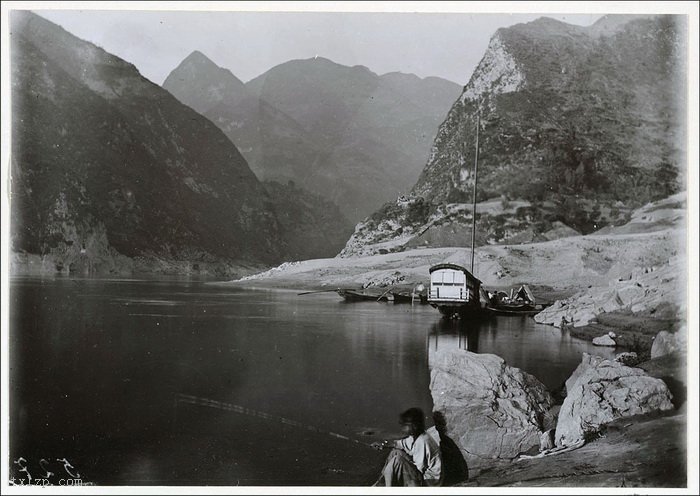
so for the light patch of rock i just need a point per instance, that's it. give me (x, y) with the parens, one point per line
(560, 230)
(643, 289)
(491, 410)
(497, 73)
(600, 391)
(666, 343)
(604, 340)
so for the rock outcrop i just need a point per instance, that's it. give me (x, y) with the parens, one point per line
(666, 343)
(491, 410)
(604, 341)
(582, 123)
(600, 391)
(643, 289)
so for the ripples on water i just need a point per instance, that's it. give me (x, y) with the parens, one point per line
(296, 385)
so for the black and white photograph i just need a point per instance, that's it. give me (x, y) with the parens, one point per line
(349, 247)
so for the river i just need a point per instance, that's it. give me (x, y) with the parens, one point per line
(182, 382)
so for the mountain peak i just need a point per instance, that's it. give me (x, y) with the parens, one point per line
(321, 60)
(610, 24)
(197, 57)
(398, 75)
(544, 27)
(197, 61)
(211, 84)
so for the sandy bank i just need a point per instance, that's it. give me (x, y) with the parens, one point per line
(568, 263)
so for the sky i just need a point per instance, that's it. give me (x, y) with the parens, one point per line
(447, 45)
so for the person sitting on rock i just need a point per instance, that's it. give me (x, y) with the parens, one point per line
(414, 460)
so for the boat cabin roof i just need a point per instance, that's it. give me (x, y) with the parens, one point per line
(453, 267)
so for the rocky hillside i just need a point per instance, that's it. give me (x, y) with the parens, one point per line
(583, 124)
(342, 132)
(276, 147)
(655, 238)
(311, 226)
(108, 168)
(645, 288)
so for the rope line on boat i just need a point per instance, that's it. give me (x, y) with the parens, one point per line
(230, 407)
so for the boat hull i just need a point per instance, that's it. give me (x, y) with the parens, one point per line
(410, 298)
(518, 309)
(462, 311)
(352, 295)
(512, 311)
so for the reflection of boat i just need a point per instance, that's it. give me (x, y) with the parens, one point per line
(520, 302)
(363, 295)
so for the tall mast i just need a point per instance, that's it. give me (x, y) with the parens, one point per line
(476, 165)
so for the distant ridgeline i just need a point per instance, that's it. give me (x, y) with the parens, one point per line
(579, 125)
(111, 173)
(345, 133)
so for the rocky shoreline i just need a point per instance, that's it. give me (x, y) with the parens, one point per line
(640, 432)
(618, 423)
(512, 431)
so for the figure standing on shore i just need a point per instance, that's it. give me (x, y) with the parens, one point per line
(414, 460)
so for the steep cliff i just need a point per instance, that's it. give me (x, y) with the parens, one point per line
(583, 124)
(107, 165)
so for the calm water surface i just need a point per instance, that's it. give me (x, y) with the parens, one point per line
(188, 383)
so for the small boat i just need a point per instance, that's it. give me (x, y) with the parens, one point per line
(520, 302)
(363, 295)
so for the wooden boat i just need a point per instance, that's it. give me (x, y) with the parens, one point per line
(520, 302)
(515, 309)
(353, 295)
(409, 297)
(454, 291)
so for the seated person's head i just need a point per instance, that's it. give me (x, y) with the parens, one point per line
(412, 422)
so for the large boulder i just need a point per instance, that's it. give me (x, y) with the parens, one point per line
(604, 340)
(490, 410)
(666, 343)
(578, 310)
(600, 391)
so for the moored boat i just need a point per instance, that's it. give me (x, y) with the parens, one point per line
(363, 295)
(454, 291)
(410, 297)
(520, 302)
